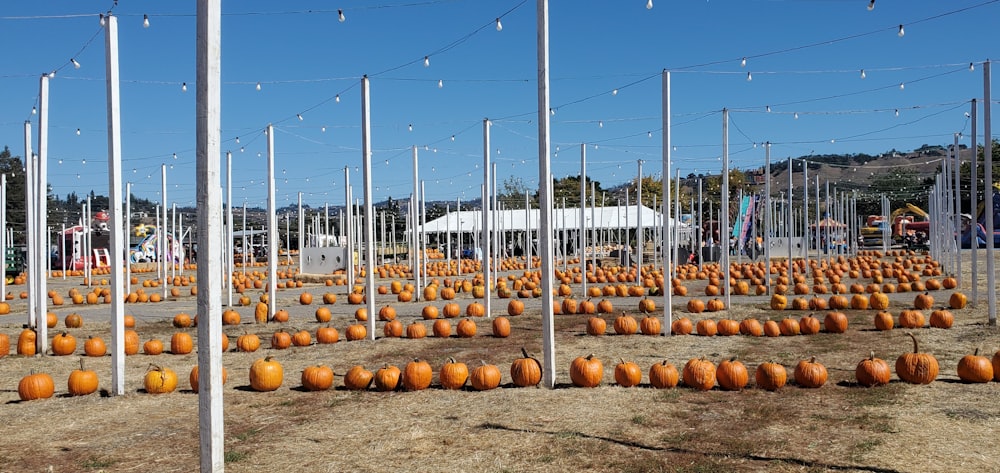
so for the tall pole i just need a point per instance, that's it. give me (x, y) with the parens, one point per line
(229, 229)
(487, 247)
(974, 204)
(345, 228)
(724, 231)
(583, 217)
(302, 234)
(640, 240)
(767, 215)
(30, 203)
(272, 229)
(41, 217)
(789, 225)
(3, 235)
(366, 154)
(414, 217)
(117, 240)
(988, 189)
(545, 196)
(668, 242)
(701, 226)
(208, 120)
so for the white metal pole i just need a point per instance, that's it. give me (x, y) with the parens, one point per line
(545, 196)
(366, 156)
(724, 231)
(767, 216)
(272, 229)
(974, 204)
(957, 200)
(991, 288)
(582, 251)
(346, 226)
(415, 221)
(31, 214)
(3, 236)
(41, 193)
(789, 225)
(640, 239)
(229, 230)
(302, 234)
(669, 242)
(487, 217)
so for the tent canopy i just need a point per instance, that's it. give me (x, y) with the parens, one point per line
(603, 218)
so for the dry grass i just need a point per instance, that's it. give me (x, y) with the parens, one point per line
(839, 427)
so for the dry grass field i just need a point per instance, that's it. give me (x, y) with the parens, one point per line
(945, 426)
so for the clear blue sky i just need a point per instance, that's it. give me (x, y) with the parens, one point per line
(303, 57)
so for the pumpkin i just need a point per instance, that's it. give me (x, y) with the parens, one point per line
(996, 366)
(453, 374)
(696, 306)
(94, 346)
(451, 310)
(193, 377)
(387, 313)
(942, 318)
(772, 329)
(647, 305)
(181, 343)
(355, 332)
(596, 326)
(51, 320)
(817, 303)
(526, 371)
(916, 367)
(586, 372)
(650, 325)
(706, 328)
(302, 338)
(358, 378)
(475, 309)
(975, 369)
(266, 374)
(627, 373)
(441, 328)
(625, 324)
(872, 371)
(416, 330)
(247, 342)
(181, 320)
(327, 335)
(387, 378)
(810, 374)
(131, 342)
(63, 344)
(911, 318)
(839, 302)
(129, 321)
(231, 317)
(281, 340)
(361, 315)
(317, 378)
(732, 375)
(751, 327)
(923, 301)
(82, 382)
(36, 386)
(779, 302)
(485, 377)
(153, 347)
(957, 300)
(681, 326)
(605, 307)
(466, 328)
(770, 376)
(809, 325)
(159, 380)
(663, 375)
(73, 321)
(501, 327)
(878, 301)
(883, 321)
(789, 327)
(835, 322)
(417, 375)
(715, 305)
(699, 374)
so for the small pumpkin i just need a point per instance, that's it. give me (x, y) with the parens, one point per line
(663, 375)
(247, 342)
(809, 325)
(942, 318)
(957, 300)
(751, 327)
(699, 373)
(649, 325)
(681, 326)
(485, 377)
(835, 322)
(732, 375)
(596, 326)
(466, 328)
(911, 318)
(302, 338)
(417, 375)
(355, 332)
(358, 378)
(810, 374)
(515, 307)
(317, 378)
(94, 346)
(181, 343)
(152, 347)
(193, 377)
(770, 376)
(772, 329)
(916, 367)
(586, 372)
(327, 335)
(696, 306)
(526, 371)
(160, 380)
(453, 374)
(975, 369)
(266, 374)
(82, 382)
(727, 327)
(923, 301)
(883, 321)
(36, 386)
(441, 328)
(501, 327)
(789, 327)
(387, 378)
(627, 373)
(625, 324)
(872, 371)
(706, 328)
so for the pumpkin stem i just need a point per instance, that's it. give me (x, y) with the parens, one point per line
(871, 356)
(590, 357)
(914, 342)
(524, 353)
(451, 359)
(975, 353)
(812, 360)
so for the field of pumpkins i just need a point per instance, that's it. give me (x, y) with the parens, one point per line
(880, 351)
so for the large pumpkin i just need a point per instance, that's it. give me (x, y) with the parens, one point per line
(596, 326)
(732, 375)
(485, 377)
(387, 378)
(916, 367)
(975, 369)
(526, 371)
(627, 373)
(417, 375)
(699, 374)
(159, 380)
(358, 378)
(63, 344)
(82, 382)
(317, 378)
(586, 372)
(355, 332)
(453, 374)
(266, 374)
(625, 324)
(650, 325)
(663, 375)
(810, 374)
(36, 386)
(835, 322)
(770, 376)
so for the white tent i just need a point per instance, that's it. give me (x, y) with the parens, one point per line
(603, 218)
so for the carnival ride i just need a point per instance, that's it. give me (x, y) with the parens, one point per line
(981, 216)
(902, 225)
(145, 250)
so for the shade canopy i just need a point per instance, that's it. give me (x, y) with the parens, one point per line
(602, 218)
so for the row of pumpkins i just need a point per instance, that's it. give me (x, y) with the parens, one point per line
(267, 374)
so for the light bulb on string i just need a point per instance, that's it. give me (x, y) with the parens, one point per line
(76, 64)
(614, 92)
(410, 127)
(34, 110)
(552, 112)
(60, 161)
(440, 83)
(340, 16)
(427, 61)
(871, 5)
(499, 25)
(101, 19)
(237, 140)
(796, 116)
(902, 85)
(897, 112)
(972, 67)
(452, 137)
(600, 124)
(77, 132)
(242, 149)
(323, 129)
(83, 161)
(649, 4)
(649, 134)
(337, 98)
(901, 32)
(175, 156)
(145, 21)
(749, 77)
(743, 62)
(863, 75)
(258, 86)
(299, 116)
(767, 108)
(184, 87)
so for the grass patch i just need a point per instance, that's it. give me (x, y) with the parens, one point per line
(94, 463)
(640, 420)
(246, 435)
(864, 447)
(233, 456)
(875, 397)
(668, 395)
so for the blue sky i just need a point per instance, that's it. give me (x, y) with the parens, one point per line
(303, 57)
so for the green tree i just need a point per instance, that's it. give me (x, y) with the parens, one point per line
(13, 167)
(511, 193)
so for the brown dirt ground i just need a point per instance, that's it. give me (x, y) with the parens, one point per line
(944, 426)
